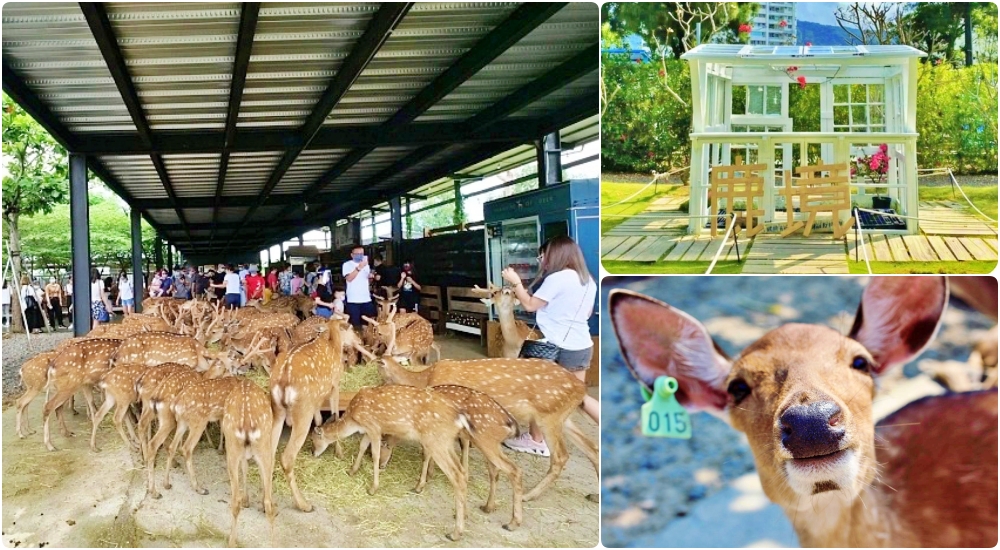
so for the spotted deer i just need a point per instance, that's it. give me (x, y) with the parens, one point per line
(303, 379)
(246, 428)
(530, 389)
(161, 400)
(154, 348)
(415, 414)
(513, 332)
(803, 396)
(413, 340)
(34, 378)
(76, 368)
(491, 424)
(119, 389)
(349, 338)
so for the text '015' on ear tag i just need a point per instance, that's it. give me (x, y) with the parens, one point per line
(662, 415)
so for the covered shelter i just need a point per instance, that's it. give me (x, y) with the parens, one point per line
(233, 126)
(740, 113)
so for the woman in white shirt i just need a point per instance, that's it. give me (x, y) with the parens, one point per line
(126, 294)
(6, 305)
(100, 306)
(563, 302)
(31, 304)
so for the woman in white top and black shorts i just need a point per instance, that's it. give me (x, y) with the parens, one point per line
(563, 300)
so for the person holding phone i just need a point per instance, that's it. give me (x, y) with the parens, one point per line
(358, 273)
(409, 289)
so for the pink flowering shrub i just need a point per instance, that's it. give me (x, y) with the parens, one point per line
(875, 166)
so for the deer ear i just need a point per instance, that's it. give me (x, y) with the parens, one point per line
(658, 340)
(898, 317)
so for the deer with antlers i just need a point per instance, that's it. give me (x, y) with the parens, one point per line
(154, 348)
(413, 339)
(530, 389)
(513, 331)
(420, 415)
(303, 379)
(803, 395)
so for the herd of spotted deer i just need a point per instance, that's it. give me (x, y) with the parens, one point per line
(180, 364)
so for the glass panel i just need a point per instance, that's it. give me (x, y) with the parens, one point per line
(876, 114)
(860, 114)
(739, 100)
(840, 115)
(755, 103)
(739, 128)
(857, 93)
(520, 247)
(862, 129)
(876, 93)
(773, 106)
(839, 93)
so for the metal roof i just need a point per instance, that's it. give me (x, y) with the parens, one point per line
(232, 126)
(746, 53)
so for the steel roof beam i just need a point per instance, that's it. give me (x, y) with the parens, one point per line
(379, 29)
(244, 46)
(104, 34)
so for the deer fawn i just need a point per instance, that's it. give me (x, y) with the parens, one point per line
(246, 428)
(78, 367)
(513, 332)
(407, 413)
(119, 389)
(302, 380)
(803, 396)
(530, 389)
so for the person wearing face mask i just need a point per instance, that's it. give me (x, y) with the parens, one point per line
(324, 300)
(31, 304)
(357, 272)
(409, 289)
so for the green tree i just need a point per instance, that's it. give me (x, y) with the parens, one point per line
(441, 216)
(36, 181)
(673, 25)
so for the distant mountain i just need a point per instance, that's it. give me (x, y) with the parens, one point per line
(821, 35)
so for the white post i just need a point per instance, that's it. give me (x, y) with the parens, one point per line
(696, 204)
(912, 227)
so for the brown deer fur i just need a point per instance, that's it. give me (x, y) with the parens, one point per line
(246, 428)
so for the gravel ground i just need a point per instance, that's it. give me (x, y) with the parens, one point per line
(16, 352)
(648, 483)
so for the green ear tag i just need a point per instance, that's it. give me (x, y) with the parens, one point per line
(662, 415)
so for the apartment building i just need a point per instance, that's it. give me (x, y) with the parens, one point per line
(774, 24)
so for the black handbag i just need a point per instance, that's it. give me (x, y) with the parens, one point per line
(533, 349)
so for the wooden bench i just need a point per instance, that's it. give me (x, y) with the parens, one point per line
(466, 312)
(431, 306)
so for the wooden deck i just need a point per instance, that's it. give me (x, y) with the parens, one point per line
(949, 233)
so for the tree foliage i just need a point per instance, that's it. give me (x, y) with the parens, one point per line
(673, 25)
(36, 178)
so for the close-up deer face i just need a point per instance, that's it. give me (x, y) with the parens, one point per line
(802, 393)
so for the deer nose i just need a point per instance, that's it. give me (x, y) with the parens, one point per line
(812, 430)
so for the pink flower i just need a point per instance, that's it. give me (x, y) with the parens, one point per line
(873, 164)
(745, 28)
(783, 23)
(802, 82)
(809, 43)
(884, 147)
(854, 171)
(791, 69)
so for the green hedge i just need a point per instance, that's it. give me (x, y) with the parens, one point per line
(646, 128)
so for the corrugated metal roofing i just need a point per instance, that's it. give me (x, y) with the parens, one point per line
(434, 88)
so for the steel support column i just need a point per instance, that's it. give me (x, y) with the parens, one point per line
(396, 215)
(170, 257)
(158, 252)
(138, 280)
(549, 155)
(79, 221)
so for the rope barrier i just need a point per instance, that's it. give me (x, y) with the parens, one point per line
(656, 176)
(718, 252)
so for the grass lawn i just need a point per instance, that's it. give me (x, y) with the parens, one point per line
(985, 198)
(978, 266)
(670, 268)
(613, 192)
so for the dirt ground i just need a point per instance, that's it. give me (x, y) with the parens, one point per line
(76, 498)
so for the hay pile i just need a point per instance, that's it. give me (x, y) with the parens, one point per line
(351, 380)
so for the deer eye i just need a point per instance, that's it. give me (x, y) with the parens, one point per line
(739, 389)
(860, 363)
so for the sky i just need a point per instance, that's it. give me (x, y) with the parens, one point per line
(817, 12)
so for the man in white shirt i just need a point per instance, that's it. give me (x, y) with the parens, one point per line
(357, 272)
(231, 282)
(244, 271)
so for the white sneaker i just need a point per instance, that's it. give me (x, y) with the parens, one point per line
(525, 444)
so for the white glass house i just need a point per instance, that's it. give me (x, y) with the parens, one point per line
(868, 97)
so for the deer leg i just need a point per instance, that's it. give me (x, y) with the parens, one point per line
(338, 448)
(222, 440)
(54, 404)
(449, 463)
(498, 462)
(552, 430)
(425, 471)
(61, 415)
(121, 417)
(211, 443)
(88, 397)
(389, 445)
(234, 461)
(182, 428)
(376, 442)
(465, 455)
(22, 405)
(365, 441)
(188, 451)
(166, 421)
(246, 486)
(109, 402)
(589, 448)
(279, 423)
(144, 427)
(265, 462)
(300, 429)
